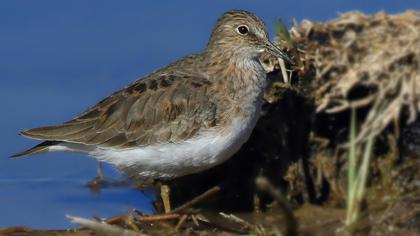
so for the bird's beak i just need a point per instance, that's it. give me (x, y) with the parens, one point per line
(275, 51)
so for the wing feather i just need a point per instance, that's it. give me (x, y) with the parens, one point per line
(161, 108)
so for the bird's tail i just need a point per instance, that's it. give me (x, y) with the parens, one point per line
(40, 148)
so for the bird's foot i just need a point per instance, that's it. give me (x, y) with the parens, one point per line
(98, 182)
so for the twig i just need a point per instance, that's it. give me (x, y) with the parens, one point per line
(197, 199)
(194, 219)
(130, 223)
(181, 222)
(103, 227)
(113, 220)
(345, 104)
(233, 218)
(161, 217)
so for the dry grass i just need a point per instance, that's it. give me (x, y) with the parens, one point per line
(367, 64)
(365, 61)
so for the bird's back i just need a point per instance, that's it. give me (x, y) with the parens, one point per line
(166, 106)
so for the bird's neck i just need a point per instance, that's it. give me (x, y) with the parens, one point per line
(243, 71)
(240, 81)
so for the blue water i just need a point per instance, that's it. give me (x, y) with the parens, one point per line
(59, 57)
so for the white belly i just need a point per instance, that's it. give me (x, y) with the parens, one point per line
(170, 160)
(178, 159)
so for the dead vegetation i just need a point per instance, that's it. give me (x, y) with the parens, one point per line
(368, 64)
(366, 61)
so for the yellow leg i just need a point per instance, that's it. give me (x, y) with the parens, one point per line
(164, 194)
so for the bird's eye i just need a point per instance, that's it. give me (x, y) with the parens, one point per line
(243, 29)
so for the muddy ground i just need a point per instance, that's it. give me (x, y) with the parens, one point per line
(291, 176)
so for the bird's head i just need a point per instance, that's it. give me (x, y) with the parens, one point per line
(244, 33)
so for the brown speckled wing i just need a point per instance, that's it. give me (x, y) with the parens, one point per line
(161, 108)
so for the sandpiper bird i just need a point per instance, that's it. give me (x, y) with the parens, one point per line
(182, 119)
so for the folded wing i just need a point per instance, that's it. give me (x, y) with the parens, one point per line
(161, 108)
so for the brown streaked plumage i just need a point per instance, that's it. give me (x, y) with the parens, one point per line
(163, 107)
(210, 97)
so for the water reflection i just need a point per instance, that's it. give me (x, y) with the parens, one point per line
(43, 203)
